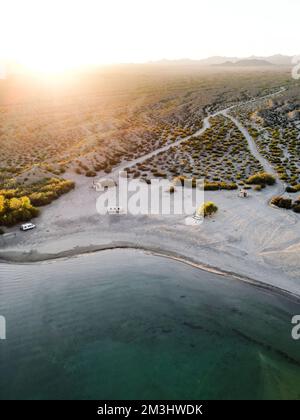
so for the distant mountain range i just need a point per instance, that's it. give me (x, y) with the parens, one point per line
(248, 62)
(253, 61)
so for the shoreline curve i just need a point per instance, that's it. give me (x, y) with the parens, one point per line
(33, 257)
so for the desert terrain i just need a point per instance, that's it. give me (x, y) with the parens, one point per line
(221, 125)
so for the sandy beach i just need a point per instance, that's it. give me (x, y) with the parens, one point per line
(246, 237)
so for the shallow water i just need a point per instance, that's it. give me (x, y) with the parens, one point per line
(124, 324)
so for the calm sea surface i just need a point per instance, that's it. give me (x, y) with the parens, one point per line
(125, 324)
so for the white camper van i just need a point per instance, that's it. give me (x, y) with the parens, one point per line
(27, 226)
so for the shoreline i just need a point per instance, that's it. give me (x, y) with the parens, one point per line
(33, 257)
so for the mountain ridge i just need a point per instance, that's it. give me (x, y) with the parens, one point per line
(276, 60)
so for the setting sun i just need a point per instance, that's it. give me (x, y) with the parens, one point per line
(58, 35)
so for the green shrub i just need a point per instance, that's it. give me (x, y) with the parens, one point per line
(207, 209)
(293, 189)
(42, 198)
(261, 178)
(228, 186)
(214, 186)
(8, 193)
(282, 202)
(15, 210)
(19, 205)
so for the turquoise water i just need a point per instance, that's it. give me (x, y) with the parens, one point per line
(124, 324)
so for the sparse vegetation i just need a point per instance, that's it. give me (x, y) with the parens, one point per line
(18, 202)
(282, 202)
(261, 178)
(207, 209)
(220, 156)
(274, 124)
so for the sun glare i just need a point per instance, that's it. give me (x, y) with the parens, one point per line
(57, 35)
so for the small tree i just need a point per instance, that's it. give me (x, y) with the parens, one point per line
(207, 209)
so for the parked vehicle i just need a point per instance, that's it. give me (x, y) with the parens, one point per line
(27, 226)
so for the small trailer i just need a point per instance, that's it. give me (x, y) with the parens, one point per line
(27, 226)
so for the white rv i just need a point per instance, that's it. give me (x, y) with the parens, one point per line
(27, 226)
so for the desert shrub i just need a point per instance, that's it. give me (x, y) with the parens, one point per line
(293, 189)
(296, 208)
(282, 202)
(8, 193)
(211, 186)
(59, 186)
(228, 186)
(261, 178)
(64, 187)
(257, 187)
(39, 194)
(42, 198)
(159, 174)
(98, 167)
(207, 209)
(90, 174)
(214, 186)
(15, 210)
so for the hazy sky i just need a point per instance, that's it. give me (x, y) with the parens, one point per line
(53, 34)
